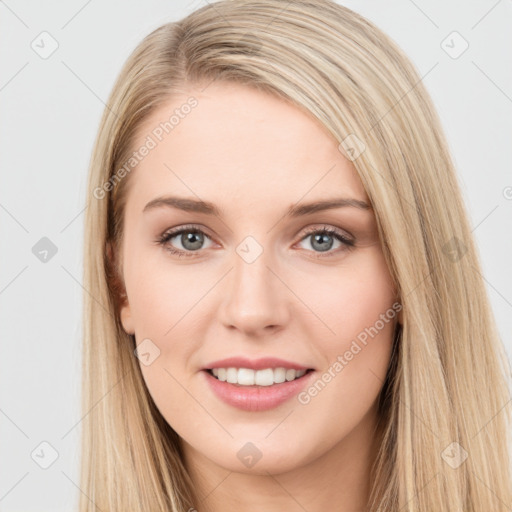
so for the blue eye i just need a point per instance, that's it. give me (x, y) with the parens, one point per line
(323, 239)
(193, 237)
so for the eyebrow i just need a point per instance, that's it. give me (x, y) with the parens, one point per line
(198, 206)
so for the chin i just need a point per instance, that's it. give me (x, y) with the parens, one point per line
(258, 457)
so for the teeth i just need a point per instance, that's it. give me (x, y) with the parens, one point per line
(232, 375)
(249, 377)
(246, 377)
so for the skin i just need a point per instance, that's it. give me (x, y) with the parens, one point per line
(254, 155)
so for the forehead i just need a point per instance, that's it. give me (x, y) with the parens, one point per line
(239, 142)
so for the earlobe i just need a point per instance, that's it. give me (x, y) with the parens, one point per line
(126, 318)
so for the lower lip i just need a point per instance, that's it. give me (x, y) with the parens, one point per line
(257, 398)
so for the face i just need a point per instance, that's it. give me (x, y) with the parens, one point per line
(254, 286)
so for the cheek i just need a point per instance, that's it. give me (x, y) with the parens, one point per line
(362, 302)
(356, 305)
(348, 299)
(161, 295)
(166, 306)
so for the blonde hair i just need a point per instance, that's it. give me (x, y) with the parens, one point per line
(448, 377)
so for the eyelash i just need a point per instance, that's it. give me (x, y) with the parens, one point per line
(326, 230)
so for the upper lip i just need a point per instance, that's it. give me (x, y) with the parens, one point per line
(255, 364)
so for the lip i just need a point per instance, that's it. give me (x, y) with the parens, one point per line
(256, 398)
(255, 364)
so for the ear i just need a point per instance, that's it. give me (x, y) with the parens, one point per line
(126, 318)
(118, 290)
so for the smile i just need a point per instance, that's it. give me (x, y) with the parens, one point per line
(250, 377)
(256, 390)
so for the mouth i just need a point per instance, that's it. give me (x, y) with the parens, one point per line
(248, 377)
(257, 390)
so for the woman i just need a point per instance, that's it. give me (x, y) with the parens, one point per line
(284, 306)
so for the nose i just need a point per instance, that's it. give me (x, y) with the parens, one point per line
(256, 300)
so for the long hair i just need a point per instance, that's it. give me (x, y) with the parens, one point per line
(445, 406)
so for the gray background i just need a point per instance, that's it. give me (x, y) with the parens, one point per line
(51, 109)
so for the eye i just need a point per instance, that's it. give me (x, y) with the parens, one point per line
(323, 239)
(191, 238)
